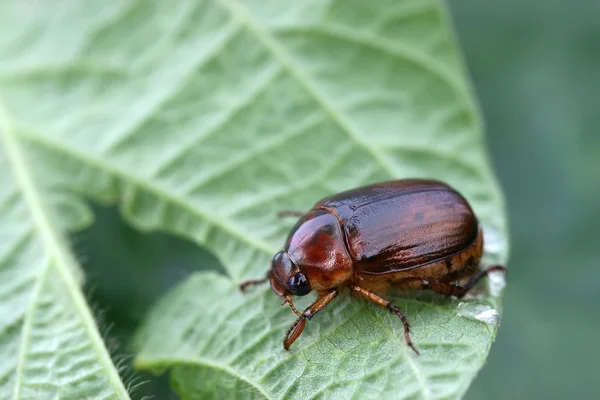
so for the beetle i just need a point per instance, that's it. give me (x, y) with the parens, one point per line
(409, 234)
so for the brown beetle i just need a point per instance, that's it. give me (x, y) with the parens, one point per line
(404, 234)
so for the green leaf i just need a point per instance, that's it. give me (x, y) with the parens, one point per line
(204, 120)
(48, 337)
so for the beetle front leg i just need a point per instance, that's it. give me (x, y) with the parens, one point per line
(297, 327)
(367, 294)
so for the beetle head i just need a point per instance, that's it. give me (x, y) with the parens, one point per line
(286, 277)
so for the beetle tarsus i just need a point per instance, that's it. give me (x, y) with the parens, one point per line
(483, 274)
(406, 325)
(451, 289)
(290, 213)
(367, 294)
(245, 284)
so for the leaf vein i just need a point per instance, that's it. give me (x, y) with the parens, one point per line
(204, 362)
(161, 192)
(132, 127)
(16, 244)
(280, 54)
(212, 129)
(405, 350)
(26, 330)
(396, 49)
(257, 150)
(309, 182)
(56, 252)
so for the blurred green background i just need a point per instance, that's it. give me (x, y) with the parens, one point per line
(535, 67)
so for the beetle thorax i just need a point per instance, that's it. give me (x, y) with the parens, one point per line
(317, 246)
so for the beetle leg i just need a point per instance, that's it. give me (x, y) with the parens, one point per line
(367, 294)
(297, 327)
(449, 289)
(290, 213)
(473, 281)
(288, 300)
(244, 285)
(444, 288)
(321, 302)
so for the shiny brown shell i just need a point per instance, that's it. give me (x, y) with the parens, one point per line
(401, 225)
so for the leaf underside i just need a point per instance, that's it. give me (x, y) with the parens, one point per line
(204, 120)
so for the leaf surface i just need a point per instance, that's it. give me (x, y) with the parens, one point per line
(204, 120)
(49, 341)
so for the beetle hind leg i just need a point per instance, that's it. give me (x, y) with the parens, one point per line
(444, 288)
(482, 274)
(450, 289)
(392, 308)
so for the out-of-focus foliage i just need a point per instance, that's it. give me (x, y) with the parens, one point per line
(535, 67)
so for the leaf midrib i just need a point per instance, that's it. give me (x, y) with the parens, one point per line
(58, 257)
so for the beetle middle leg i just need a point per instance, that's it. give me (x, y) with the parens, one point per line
(367, 294)
(290, 213)
(255, 282)
(297, 327)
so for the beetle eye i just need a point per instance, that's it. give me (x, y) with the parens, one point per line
(298, 285)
